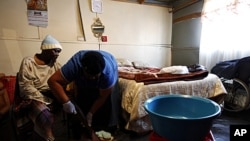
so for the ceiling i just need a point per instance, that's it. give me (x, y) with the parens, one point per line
(168, 3)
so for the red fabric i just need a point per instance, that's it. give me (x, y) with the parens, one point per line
(9, 84)
(155, 137)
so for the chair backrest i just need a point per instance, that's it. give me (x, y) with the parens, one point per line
(17, 97)
(9, 84)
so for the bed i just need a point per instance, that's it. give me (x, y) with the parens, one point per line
(139, 83)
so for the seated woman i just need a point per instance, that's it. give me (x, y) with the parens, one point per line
(32, 79)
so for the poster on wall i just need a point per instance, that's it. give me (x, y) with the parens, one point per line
(37, 13)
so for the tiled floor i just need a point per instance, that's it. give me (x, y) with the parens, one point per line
(220, 129)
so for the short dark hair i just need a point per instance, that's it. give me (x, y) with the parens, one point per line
(93, 62)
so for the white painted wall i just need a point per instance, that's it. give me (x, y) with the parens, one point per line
(136, 32)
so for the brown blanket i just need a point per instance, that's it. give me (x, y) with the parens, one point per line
(151, 78)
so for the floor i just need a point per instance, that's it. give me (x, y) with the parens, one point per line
(220, 129)
(221, 125)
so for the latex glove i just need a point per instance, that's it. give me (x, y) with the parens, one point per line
(89, 118)
(69, 107)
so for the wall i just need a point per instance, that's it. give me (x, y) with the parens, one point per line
(186, 34)
(136, 32)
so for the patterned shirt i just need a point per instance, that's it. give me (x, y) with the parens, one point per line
(33, 79)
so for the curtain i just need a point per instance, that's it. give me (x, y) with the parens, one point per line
(225, 33)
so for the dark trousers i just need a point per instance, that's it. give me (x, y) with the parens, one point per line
(100, 119)
(106, 118)
(85, 101)
(7, 132)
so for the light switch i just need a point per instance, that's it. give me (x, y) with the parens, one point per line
(104, 38)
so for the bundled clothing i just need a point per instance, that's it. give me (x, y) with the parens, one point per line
(237, 68)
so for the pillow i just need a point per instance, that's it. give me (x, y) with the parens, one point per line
(175, 70)
(124, 62)
(142, 65)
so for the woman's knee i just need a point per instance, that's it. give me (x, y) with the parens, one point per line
(45, 119)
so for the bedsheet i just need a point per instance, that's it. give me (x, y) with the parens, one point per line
(134, 94)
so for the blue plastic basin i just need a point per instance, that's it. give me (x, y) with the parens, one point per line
(182, 117)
